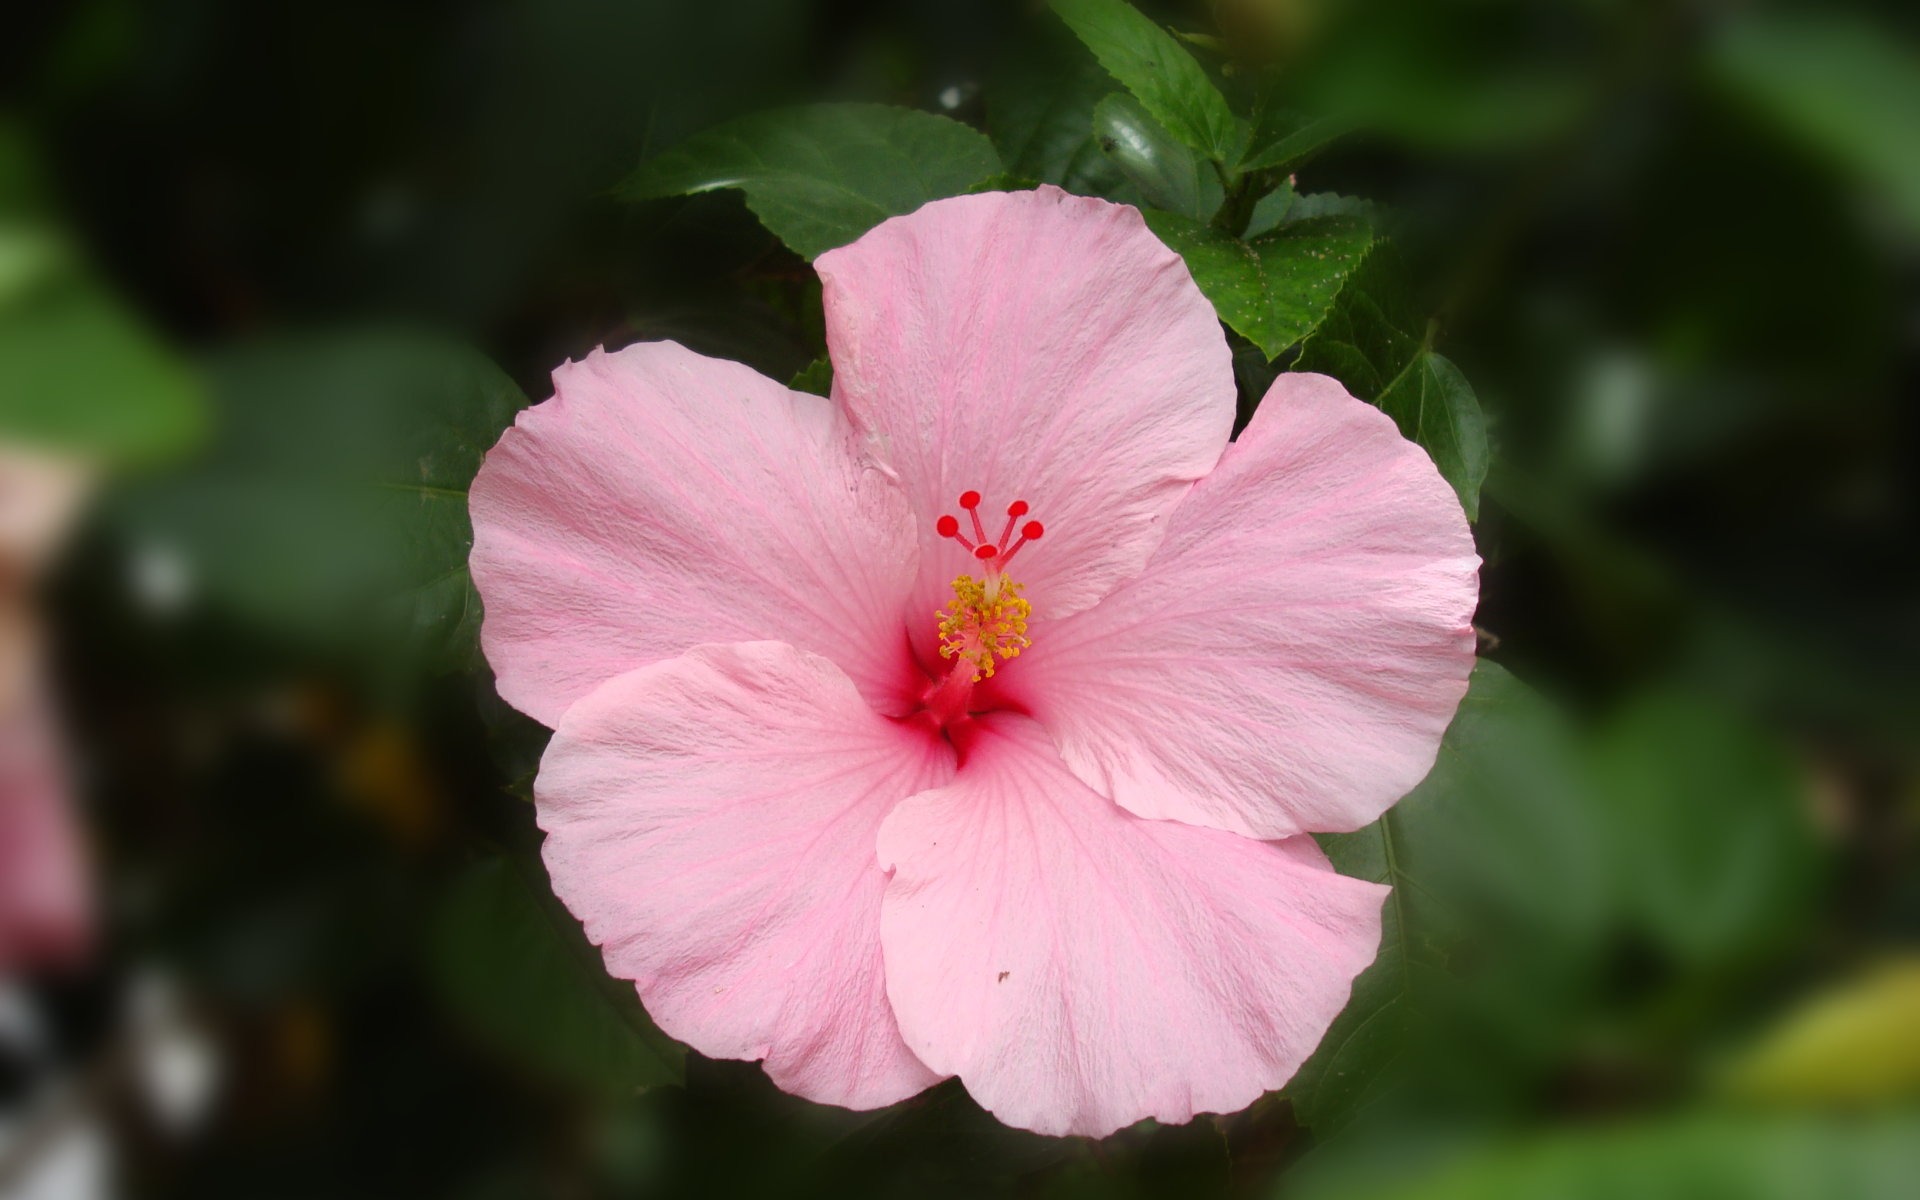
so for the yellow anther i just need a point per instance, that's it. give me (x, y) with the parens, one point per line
(982, 625)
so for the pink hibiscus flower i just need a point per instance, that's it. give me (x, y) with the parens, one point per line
(851, 777)
(45, 909)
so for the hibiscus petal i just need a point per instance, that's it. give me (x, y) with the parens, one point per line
(1297, 645)
(711, 821)
(45, 906)
(662, 499)
(1081, 969)
(1031, 346)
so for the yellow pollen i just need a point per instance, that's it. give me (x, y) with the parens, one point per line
(981, 625)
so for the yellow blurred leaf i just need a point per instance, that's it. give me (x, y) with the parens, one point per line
(1857, 1044)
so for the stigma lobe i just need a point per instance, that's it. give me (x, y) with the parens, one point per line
(998, 553)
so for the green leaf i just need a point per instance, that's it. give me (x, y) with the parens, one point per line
(1005, 181)
(822, 175)
(1040, 106)
(1713, 827)
(1273, 289)
(1434, 405)
(816, 377)
(1715, 1154)
(516, 970)
(331, 511)
(1848, 88)
(1168, 174)
(1270, 210)
(1153, 66)
(1492, 852)
(79, 372)
(1374, 344)
(1282, 138)
(1283, 204)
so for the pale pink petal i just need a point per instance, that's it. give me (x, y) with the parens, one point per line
(1081, 969)
(711, 820)
(661, 500)
(41, 493)
(1297, 645)
(45, 909)
(1034, 346)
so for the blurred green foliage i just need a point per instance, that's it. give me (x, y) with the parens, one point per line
(1838, 83)
(79, 374)
(1639, 275)
(512, 962)
(331, 508)
(1489, 941)
(1787, 1159)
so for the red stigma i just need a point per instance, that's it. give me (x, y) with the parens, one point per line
(998, 552)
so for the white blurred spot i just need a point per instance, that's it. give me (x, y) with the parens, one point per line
(160, 578)
(1619, 392)
(76, 1164)
(177, 1062)
(951, 97)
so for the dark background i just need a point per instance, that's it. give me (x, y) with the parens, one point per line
(1667, 890)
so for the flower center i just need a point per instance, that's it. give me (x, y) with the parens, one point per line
(987, 620)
